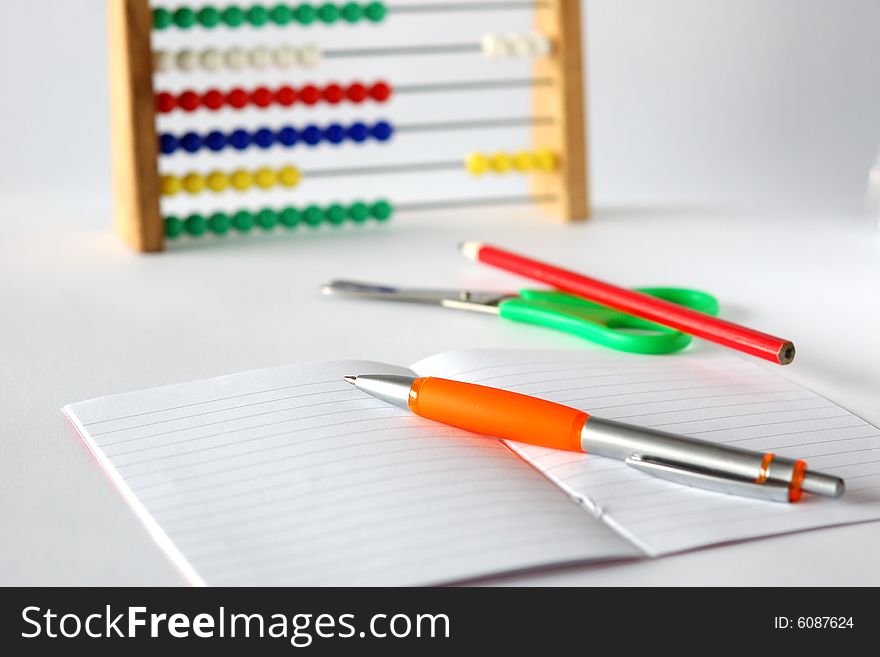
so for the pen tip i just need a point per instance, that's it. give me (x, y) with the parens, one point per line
(470, 250)
(350, 379)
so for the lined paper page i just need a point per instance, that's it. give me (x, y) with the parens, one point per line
(289, 476)
(723, 399)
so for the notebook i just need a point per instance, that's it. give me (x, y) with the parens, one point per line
(289, 476)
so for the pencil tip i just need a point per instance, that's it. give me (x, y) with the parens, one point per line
(470, 250)
(350, 379)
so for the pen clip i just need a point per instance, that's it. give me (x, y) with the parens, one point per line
(709, 480)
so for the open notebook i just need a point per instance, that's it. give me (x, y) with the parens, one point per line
(290, 476)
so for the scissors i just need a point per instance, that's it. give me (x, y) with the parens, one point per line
(551, 309)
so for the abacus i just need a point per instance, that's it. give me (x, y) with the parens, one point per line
(216, 110)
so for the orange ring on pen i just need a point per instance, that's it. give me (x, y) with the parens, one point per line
(764, 472)
(797, 478)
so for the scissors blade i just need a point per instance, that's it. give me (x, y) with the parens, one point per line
(451, 298)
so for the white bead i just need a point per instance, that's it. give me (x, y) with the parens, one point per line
(163, 61)
(541, 46)
(211, 59)
(309, 55)
(519, 45)
(493, 46)
(187, 60)
(286, 57)
(260, 58)
(236, 59)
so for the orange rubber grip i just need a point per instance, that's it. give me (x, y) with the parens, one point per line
(498, 413)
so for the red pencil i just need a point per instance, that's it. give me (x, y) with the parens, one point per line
(641, 305)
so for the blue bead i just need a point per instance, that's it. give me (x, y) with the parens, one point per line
(288, 136)
(382, 131)
(334, 133)
(167, 144)
(358, 132)
(264, 138)
(215, 140)
(312, 135)
(240, 139)
(191, 142)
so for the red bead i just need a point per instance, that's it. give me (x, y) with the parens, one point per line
(189, 101)
(165, 102)
(213, 99)
(237, 98)
(356, 92)
(286, 96)
(333, 93)
(262, 97)
(380, 91)
(310, 94)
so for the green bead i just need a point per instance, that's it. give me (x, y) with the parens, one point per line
(267, 219)
(209, 16)
(328, 13)
(233, 16)
(196, 224)
(381, 210)
(162, 18)
(243, 221)
(352, 12)
(257, 15)
(173, 227)
(184, 18)
(218, 223)
(335, 214)
(376, 11)
(313, 216)
(306, 14)
(358, 212)
(281, 14)
(289, 217)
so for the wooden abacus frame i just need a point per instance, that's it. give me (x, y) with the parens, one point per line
(137, 188)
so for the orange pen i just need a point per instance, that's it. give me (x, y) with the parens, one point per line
(513, 416)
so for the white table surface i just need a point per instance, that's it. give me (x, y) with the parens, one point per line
(83, 317)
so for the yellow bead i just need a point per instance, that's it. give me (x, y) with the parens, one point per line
(289, 176)
(265, 178)
(218, 181)
(500, 162)
(171, 185)
(522, 161)
(242, 179)
(194, 183)
(545, 160)
(477, 164)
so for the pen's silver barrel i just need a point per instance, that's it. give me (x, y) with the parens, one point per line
(392, 389)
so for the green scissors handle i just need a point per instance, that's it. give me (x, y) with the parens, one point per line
(603, 325)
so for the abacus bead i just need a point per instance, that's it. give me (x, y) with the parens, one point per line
(260, 58)
(381, 210)
(335, 214)
(267, 219)
(520, 45)
(309, 55)
(165, 102)
(310, 94)
(264, 138)
(328, 13)
(356, 92)
(262, 97)
(171, 185)
(257, 15)
(289, 217)
(375, 11)
(313, 216)
(215, 140)
(490, 44)
(500, 162)
(218, 181)
(196, 224)
(209, 16)
(305, 14)
(281, 14)
(312, 135)
(173, 227)
(358, 132)
(522, 161)
(193, 183)
(352, 12)
(240, 139)
(541, 46)
(236, 58)
(211, 59)
(191, 142)
(167, 144)
(476, 163)
(213, 99)
(286, 57)
(288, 136)
(265, 178)
(233, 16)
(218, 223)
(237, 98)
(333, 93)
(358, 212)
(163, 61)
(242, 179)
(184, 18)
(189, 101)
(162, 18)
(286, 96)
(243, 221)
(382, 131)
(545, 160)
(334, 133)
(289, 176)
(380, 91)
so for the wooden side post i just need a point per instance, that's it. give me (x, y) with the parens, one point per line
(564, 100)
(133, 125)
